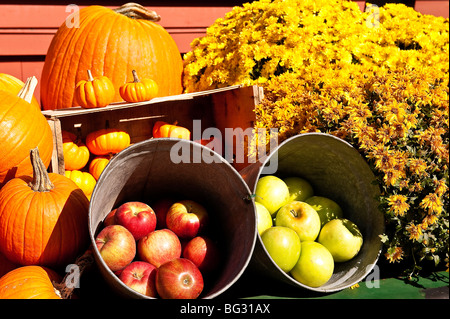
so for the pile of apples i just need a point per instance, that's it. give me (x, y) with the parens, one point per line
(160, 250)
(304, 234)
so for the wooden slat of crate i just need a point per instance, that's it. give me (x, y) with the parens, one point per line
(230, 107)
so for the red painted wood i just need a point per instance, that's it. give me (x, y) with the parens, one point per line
(52, 16)
(433, 7)
(29, 29)
(26, 30)
(23, 70)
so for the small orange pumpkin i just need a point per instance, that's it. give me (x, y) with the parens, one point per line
(98, 164)
(84, 180)
(95, 92)
(43, 218)
(30, 282)
(107, 141)
(164, 129)
(138, 90)
(76, 153)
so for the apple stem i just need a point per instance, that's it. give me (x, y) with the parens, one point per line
(293, 212)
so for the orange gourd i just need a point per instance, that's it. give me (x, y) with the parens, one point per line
(84, 180)
(76, 153)
(138, 90)
(98, 164)
(43, 218)
(107, 141)
(164, 129)
(22, 127)
(14, 85)
(29, 282)
(112, 43)
(94, 92)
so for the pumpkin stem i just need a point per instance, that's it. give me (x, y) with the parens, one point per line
(27, 91)
(135, 77)
(136, 11)
(41, 181)
(90, 77)
(83, 262)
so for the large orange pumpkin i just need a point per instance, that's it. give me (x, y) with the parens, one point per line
(43, 218)
(29, 282)
(14, 85)
(22, 127)
(110, 43)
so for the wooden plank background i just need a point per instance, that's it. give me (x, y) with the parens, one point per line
(27, 27)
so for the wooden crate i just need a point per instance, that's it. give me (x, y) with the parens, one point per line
(230, 107)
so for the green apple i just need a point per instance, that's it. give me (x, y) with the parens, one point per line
(300, 217)
(315, 265)
(264, 218)
(299, 188)
(327, 208)
(283, 246)
(342, 238)
(272, 192)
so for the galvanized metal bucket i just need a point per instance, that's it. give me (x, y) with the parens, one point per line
(166, 166)
(336, 170)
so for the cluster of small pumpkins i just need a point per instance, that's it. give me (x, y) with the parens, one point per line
(102, 144)
(44, 216)
(99, 91)
(85, 169)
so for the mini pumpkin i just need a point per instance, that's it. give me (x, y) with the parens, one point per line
(107, 141)
(164, 129)
(95, 92)
(98, 164)
(76, 153)
(84, 180)
(138, 90)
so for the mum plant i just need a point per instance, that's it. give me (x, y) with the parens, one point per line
(377, 79)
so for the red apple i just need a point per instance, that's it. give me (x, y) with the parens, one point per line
(161, 207)
(179, 279)
(140, 276)
(203, 252)
(186, 218)
(137, 217)
(116, 246)
(159, 247)
(109, 219)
